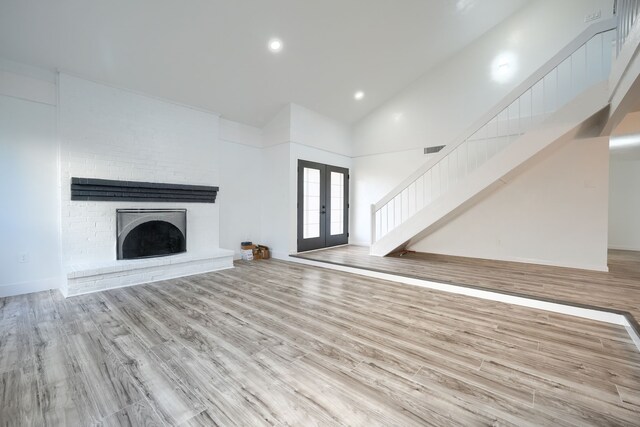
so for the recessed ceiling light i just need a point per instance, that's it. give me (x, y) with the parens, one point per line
(275, 45)
(359, 95)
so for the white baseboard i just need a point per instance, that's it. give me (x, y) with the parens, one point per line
(593, 267)
(534, 261)
(280, 255)
(634, 336)
(357, 243)
(624, 248)
(31, 286)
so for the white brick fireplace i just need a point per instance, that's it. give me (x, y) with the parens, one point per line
(109, 133)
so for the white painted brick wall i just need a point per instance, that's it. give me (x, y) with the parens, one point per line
(110, 133)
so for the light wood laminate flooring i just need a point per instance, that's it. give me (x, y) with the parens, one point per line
(277, 343)
(618, 289)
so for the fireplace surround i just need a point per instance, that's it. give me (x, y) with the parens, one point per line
(147, 233)
(120, 150)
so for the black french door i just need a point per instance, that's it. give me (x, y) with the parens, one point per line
(323, 205)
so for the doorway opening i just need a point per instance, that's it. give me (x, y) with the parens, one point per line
(323, 206)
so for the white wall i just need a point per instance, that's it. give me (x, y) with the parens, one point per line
(239, 133)
(111, 133)
(27, 82)
(241, 185)
(294, 133)
(555, 213)
(275, 195)
(278, 130)
(274, 183)
(445, 101)
(624, 202)
(624, 184)
(30, 210)
(30, 215)
(315, 130)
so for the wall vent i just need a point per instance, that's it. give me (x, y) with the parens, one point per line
(434, 149)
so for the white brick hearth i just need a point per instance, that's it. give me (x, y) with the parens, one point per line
(82, 279)
(109, 133)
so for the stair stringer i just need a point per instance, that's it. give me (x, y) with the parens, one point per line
(582, 117)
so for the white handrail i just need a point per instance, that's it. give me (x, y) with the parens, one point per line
(556, 60)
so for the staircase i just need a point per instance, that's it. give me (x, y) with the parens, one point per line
(567, 98)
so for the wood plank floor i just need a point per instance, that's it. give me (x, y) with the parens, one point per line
(277, 343)
(618, 289)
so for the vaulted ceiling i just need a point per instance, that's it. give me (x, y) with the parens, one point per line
(213, 54)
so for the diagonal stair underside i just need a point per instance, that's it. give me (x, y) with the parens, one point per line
(581, 117)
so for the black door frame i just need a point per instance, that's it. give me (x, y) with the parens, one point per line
(325, 239)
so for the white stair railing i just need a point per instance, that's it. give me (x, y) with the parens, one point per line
(583, 63)
(627, 12)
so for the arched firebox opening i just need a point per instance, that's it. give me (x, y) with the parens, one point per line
(153, 238)
(146, 233)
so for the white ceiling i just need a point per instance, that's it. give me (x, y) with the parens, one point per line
(213, 54)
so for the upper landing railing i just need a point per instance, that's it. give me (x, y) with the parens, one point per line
(627, 12)
(581, 64)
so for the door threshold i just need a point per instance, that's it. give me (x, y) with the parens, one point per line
(319, 249)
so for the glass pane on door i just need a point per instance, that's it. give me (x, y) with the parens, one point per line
(311, 201)
(337, 203)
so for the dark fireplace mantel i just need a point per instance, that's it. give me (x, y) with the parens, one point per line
(91, 189)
